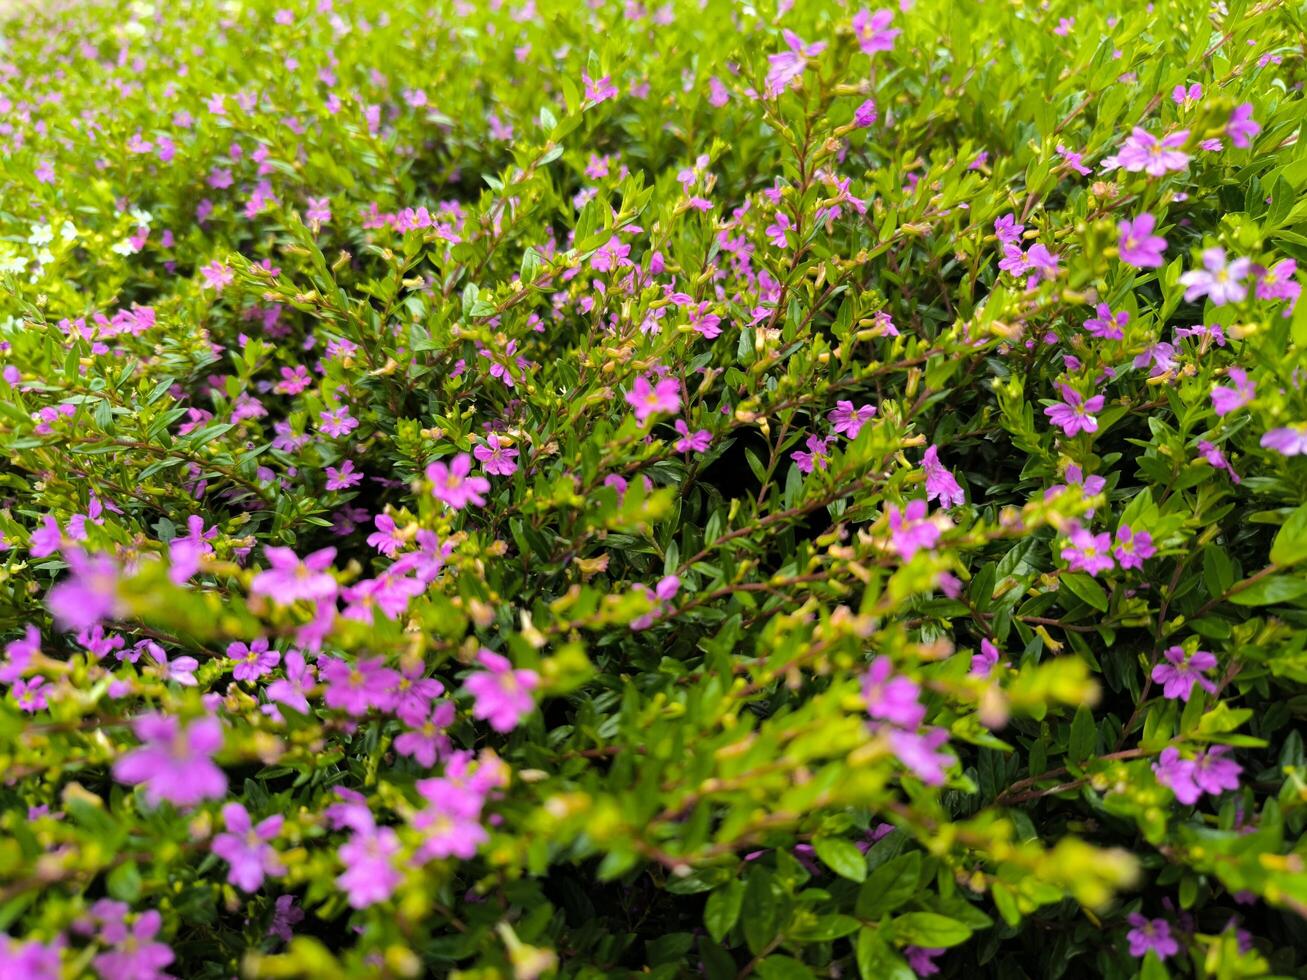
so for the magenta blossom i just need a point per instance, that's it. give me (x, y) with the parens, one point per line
(816, 456)
(1288, 441)
(1144, 151)
(502, 695)
(847, 420)
(787, 66)
(1137, 245)
(1151, 934)
(355, 689)
(922, 961)
(692, 442)
(941, 485)
(984, 661)
(647, 399)
(1242, 127)
(1209, 772)
(1107, 325)
(292, 689)
(873, 31)
(175, 763)
(920, 753)
(1182, 671)
(88, 595)
(1077, 412)
(245, 847)
(289, 579)
(1132, 547)
(496, 457)
(1088, 552)
(252, 661)
(452, 485)
(1226, 400)
(136, 956)
(890, 697)
(369, 875)
(1218, 280)
(911, 530)
(598, 89)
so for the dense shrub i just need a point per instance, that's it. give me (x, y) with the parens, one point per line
(680, 489)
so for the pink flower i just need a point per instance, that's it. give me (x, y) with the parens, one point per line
(46, 539)
(920, 753)
(1182, 671)
(646, 399)
(175, 763)
(922, 961)
(289, 579)
(984, 661)
(246, 847)
(252, 661)
(692, 442)
(136, 956)
(1076, 414)
(1226, 400)
(1278, 282)
(1144, 151)
(88, 595)
(911, 530)
(1209, 772)
(284, 915)
(1107, 325)
(1088, 552)
(941, 485)
(502, 695)
(369, 875)
(496, 457)
(217, 276)
(873, 31)
(1216, 459)
(427, 740)
(337, 422)
(318, 213)
(30, 960)
(847, 420)
(291, 689)
(865, 114)
(1242, 127)
(451, 484)
(598, 90)
(343, 478)
(1151, 934)
(1219, 281)
(892, 698)
(1137, 245)
(787, 66)
(388, 538)
(816, 456)
(1132, 547)
(1182, 96)
(355, 689)
(1287, 441)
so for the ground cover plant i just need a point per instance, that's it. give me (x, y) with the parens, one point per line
(530, 488)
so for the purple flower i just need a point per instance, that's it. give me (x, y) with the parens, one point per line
(451, 484)
(920, 753)
(291, 689)
(892, 698)
(1217, 459)
(647, 399)
(1144, 151)
(692, 442)
(355, 689)
(496, 457)
(1226, 400)
(46, 539)
(922, 961)
(1182, 96)
(598, 90)
(1132, 547)
(1076, 415)
(337, 422)
(1182, 671)
(175, 763)
(940, 483)
(344, 477)
(1107, 325)
(1151, 934)
(246, 848)
(787, 66)
(1242, 127)
(865, 114)
(1278, 282)
(1137, 245)
(217, 276)
(252, 661)
(369, 875)
(1288, 441)
(984, 661)
(289, 579)
(284, 915)
(30, 960)
(502, 695)
(847, 420)
(1219, 281)
(911, 530)
(136, 956)
(873, 31)
(1209, 772)
(1088, 552)
(427, 740)
(816, 456)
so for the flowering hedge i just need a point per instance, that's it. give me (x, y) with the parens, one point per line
(527, 488)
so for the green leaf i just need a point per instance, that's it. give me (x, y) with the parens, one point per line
(1290, 545)
(1083, 735)
(1084, 588)
(761, 910)
(124, 882)
(783, 968)
(842, 857)
(1270, 590)
(877, 960)
(722, 909)
(889, 886)
(931, 930)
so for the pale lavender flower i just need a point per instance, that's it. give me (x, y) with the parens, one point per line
(1287, 441)
(1137, 245)
(847, 420)
(1241, 127)
(941, 485)
(1226, 400)
(1218, 280)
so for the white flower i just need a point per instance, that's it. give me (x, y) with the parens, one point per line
(141, 217)
(124, 247)
(41, 235)
(68, 232)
